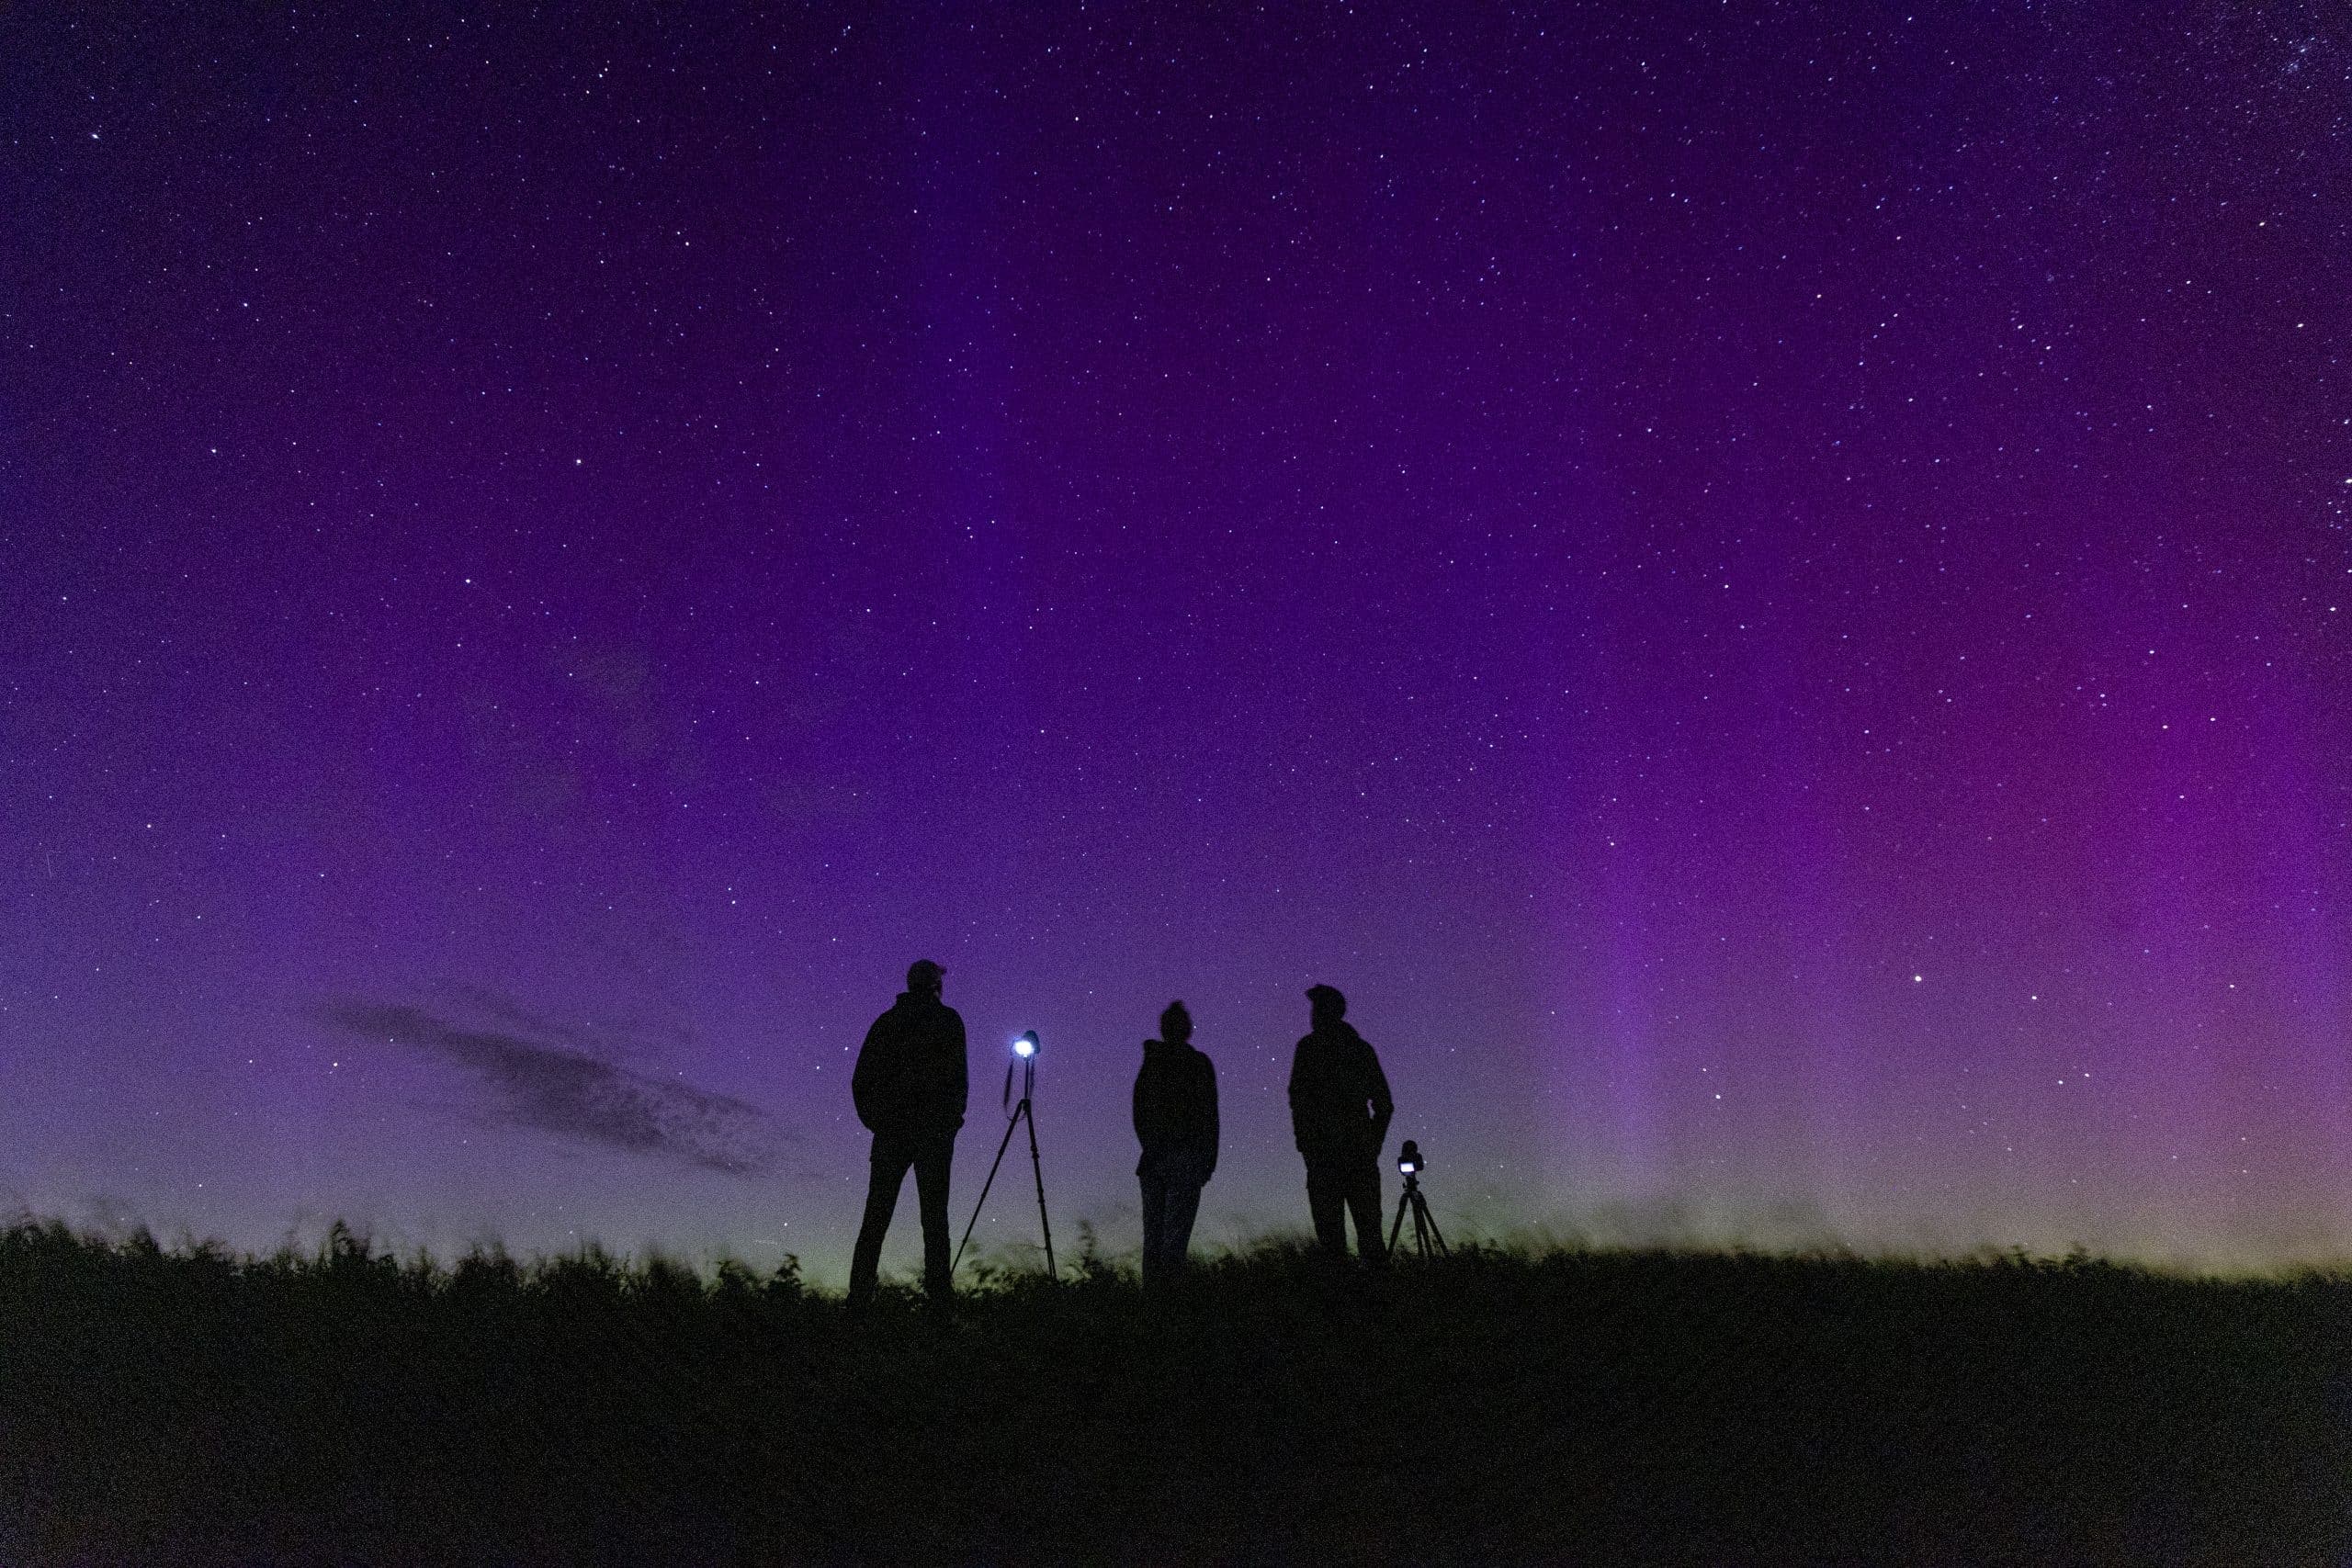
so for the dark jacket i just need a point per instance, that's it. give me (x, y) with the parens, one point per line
(911, 1079)
(1175, 1106)
(1339, 1096)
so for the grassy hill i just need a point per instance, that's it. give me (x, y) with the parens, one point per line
(161, 1407)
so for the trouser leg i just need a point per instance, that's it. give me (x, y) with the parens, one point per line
(1363, 1201)
(932, 1165)
(1183, 1204)
(1155, 1221)
(1326, 1199)
(886, 1173)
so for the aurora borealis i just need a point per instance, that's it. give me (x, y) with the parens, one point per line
(1767, 591)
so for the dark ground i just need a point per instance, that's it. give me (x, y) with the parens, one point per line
(1605, 1408)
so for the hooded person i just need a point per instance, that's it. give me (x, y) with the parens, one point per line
(1175, 1116)
(1339, 1110)
(910, 1086)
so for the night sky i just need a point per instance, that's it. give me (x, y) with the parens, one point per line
(1765, 588)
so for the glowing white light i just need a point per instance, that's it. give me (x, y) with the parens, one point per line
(1026, 1046)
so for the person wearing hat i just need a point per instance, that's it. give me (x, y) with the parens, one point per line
(1339, 1110)
(909, 1086)
(1175, 1115)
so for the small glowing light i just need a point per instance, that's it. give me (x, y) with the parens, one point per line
(1026, 1046)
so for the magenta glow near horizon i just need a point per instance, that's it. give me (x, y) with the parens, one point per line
(1768, 595)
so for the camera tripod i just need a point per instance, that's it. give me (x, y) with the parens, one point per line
(1027, 1051)
(1426, 1236)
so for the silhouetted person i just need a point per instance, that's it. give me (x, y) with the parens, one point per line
(1338, 1111)
(910, 1085)
(1175, 1107)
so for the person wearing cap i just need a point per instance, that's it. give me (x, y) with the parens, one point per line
(1339, 1110)
(910, 1086)
(1175, 1115)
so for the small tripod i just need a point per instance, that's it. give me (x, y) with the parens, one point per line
(1426, 1236)
(1026, 1049)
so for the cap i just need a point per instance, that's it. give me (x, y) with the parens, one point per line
(922, 974)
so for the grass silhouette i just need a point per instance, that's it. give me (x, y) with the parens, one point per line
(183, 1406)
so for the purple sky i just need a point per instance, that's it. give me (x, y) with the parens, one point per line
(1762, 592)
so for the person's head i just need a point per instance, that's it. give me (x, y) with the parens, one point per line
(925, 978)
(1175, 1023)
(1325, 1005)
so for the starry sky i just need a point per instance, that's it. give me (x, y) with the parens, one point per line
(1766, 588)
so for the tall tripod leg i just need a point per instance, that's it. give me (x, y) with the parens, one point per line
(1001, 1147)
(1424, 1220)
(1039, 1170)
(1403, 1198)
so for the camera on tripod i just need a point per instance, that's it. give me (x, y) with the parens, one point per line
(1025, 1056)
(1425, 1239)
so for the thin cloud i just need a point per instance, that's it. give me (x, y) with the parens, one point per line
(599, 1041)
(553, 1089)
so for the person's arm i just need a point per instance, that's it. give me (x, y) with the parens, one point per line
(1135, 1108)
(865, 1079)
(1208, 1076)
(1297, 1128)
(1382, 1107)
(963, 1068)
